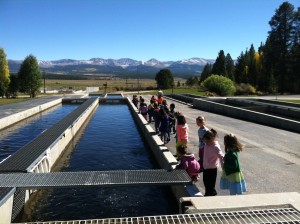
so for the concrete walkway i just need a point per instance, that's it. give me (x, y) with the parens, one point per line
(270, 160)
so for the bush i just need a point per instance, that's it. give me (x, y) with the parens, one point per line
(245, 89)
(220, 85)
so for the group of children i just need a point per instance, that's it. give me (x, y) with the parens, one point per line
(211, 157)
(210, 153)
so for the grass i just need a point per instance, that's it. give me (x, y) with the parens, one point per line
(291, 101)
(4, 101)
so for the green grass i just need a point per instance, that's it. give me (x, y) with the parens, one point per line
(9, 101)
(291, 101)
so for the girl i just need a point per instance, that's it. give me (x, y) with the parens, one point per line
(232, 177)
(188, 162)
(200, 121)
(182, 130)
(212, 158)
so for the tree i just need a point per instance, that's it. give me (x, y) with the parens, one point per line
(206, 72)
(192, 81)
(13, 87)
(30, 76)
(164, 79)
(219, 65)
(4, 72)
(280, 40)
(240, 69)
(229, 67)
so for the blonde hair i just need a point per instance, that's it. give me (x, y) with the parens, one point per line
(231, 142)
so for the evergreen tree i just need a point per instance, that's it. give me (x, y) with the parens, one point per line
(206, 72)
(229, 66)
(164, 79)
(219, 65)
(280, 40)
(30, 76)
(295, 54)
(252, 76)
(240, 69)
(4, 72)
(13, 87)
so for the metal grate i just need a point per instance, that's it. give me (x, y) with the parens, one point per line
(268, 216)
(94, 178)
(24, 157)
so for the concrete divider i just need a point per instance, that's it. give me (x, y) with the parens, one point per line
(247, 115)
(162, 154)
(14, 118)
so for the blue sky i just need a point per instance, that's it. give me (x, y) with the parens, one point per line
(137, 29)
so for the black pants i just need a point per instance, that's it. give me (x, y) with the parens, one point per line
(209, 180)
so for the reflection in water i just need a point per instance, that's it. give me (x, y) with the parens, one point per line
(111, 141)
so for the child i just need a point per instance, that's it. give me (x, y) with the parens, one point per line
(150, 110)
(188, 162)
(200, 121)
(212, 157)
(232, 177)
(143, 108)
(182, 130)
(156, 117)
(135, 101)
(164, 126)
(172, 118)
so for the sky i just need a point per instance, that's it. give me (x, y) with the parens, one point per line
(167, 30)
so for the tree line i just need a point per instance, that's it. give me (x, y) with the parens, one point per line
(275, 66)
(28, 80)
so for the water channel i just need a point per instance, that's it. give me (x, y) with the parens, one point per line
(16, 136)
(111, 141)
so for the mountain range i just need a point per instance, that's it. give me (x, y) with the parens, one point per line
(118, 67)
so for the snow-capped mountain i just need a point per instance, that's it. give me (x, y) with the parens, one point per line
(120, 66)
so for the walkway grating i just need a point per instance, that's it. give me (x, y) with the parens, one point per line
(21, 160)
(267, 216)
(94, 178)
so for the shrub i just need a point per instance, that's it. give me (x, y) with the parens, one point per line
(220, 85)
(245, 89)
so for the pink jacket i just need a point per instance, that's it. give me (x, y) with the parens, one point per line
(182, 133)
(190, 164)
(213, 156)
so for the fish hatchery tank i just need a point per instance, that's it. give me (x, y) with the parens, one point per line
(110, 141)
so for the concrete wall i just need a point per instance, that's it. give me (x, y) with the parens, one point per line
(14, 118)
(6, 207)
(162, 154)
(248, 115)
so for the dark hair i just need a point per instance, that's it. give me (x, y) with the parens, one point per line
(181, 119)
(172, 105)
(182, 149)
(231, 142)
(210, 134)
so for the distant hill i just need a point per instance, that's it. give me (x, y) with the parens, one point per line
(124, 67)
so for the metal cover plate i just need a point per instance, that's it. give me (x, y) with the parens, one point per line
(94, 178)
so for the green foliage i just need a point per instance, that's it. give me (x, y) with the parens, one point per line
(219, 65)
(30, 76)
(206, 72)
(192, 81)
(164, 79)
(4, 72)
(13, 87)
(245, 89)
(220, 85)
